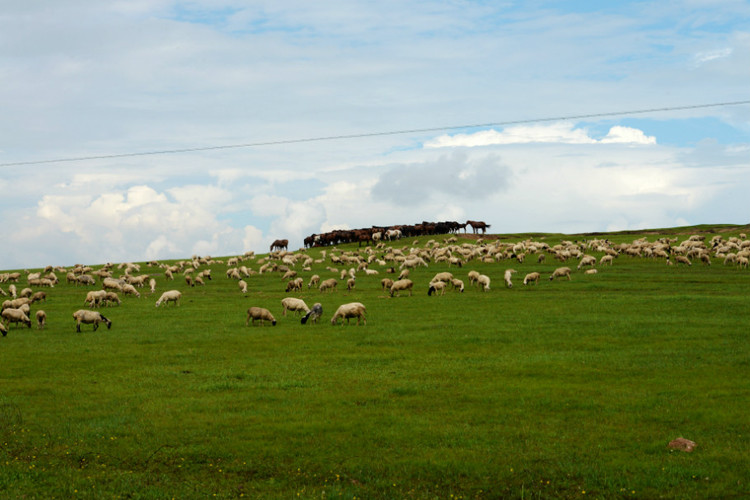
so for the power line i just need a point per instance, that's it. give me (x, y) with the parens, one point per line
(374, 134)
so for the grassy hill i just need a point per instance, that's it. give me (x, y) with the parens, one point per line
(564, 389)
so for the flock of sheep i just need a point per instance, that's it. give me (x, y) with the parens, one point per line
(351, 267)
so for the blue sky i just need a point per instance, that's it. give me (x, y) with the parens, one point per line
(114, 78)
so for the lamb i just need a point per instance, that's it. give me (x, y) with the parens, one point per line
(401, 285)
(293, 304)
(15, 316)
(169, 296)
(484, 282)
(243, 286)
(329, 284)
(314, 314)
(386, 283)
(436, 286)
(508, 274)
(560, 272)
(531, 277)
(41, 319)
(261, 314)
(314, 280)
(295, 284)
(90, 317)
(351, 310)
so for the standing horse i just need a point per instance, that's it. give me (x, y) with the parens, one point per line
(476, 225)
(279, 245)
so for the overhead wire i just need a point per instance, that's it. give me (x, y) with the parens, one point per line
(374, 134)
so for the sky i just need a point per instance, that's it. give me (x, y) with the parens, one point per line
(544, 116)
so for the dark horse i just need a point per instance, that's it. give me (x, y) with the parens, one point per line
(279, 245)
(476, 225)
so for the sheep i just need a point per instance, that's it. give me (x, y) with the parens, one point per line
(606, 259)
(129, 289)
(404, 274)
(293, 304)
(444, 277)
(386, 283)
(457, 284)
(560, 272)
(401, 285)
(261, 314)
(314, 280)
(243, 286)
(152, 285)
(12, 315)
(473, 277)
(90, 317)
(681, 259)
(16, 303)
(169, 296)
(295, 284)
(329, 284)
(350, 310)
(189, 280)
(3, 330)
(587, 260)
(590, 271)
(507, 277)
(12, 291)
(484, 282)
(112, 298)
(39, 297)
(436, 286)
(314, 314)
(26, 292)
(41, 319)
(111, 284)
(531, 277)
(85, 279)
(95, 297)
(350, 284)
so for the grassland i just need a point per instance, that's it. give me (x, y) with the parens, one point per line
(568, 389)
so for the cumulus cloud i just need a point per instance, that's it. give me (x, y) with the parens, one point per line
(453, 176)
(558, 133)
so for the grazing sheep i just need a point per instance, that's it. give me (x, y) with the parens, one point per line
(95, 297)
(560, 272)
(314, 314)
(681, 259)
(112, 284)
(587, 260)
(261, 314)
(39, 297)
(531, 277)
(351, 310)
(314, 280)
(436, 286)
(508, 275)
(152, 285)
(457, 284)
(169, 296)
(293, 304)
(350, 284)
(85, 279)
(3, 330)
(473, 277)
(386, 283)
(90, 317)
(541, 258)
(484, 282)
(15, 316)
(129, 289)
(189, 280)
(12, 290)
(401, 285)
(243, 286)
(112, 298)
(41, 319)
(404, 274)
(590, 271)
(295, 284)
(329, 284)
(444, 277)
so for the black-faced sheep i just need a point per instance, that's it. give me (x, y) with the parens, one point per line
(169, 296)
(84, 316)
(259, 313)
(436, 286)
(350, 310)
(314, 314)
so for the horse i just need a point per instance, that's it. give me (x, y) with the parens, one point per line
(279, 245)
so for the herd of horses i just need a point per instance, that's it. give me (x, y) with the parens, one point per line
(366, 235)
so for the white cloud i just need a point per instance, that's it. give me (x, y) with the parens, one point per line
(559, 133)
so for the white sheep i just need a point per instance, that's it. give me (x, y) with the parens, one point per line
(314, 280)
(95, 297)
(350, 283)
(169, 296)
(386, 283)
(12, 315)
(401, 285)
(606, 259)
(587, 260)
(129, 289)
(404, 274)
(473, 277)
(152, 285)
(112, 284)
(294, 304)
(41, 319)
(508, 275)
(560, 272)
(437, 286)
(457, 284)
(3, 330)
(295, 284)
(259, 313)
(84, 316)
(243, 286)
(329, 284)
(112, 298)
(531, 277)
(350, 310)
(484, 282)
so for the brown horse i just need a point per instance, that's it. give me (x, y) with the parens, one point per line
(279, 245)
(476, 225)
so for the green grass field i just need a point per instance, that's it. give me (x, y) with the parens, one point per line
(566, 389)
